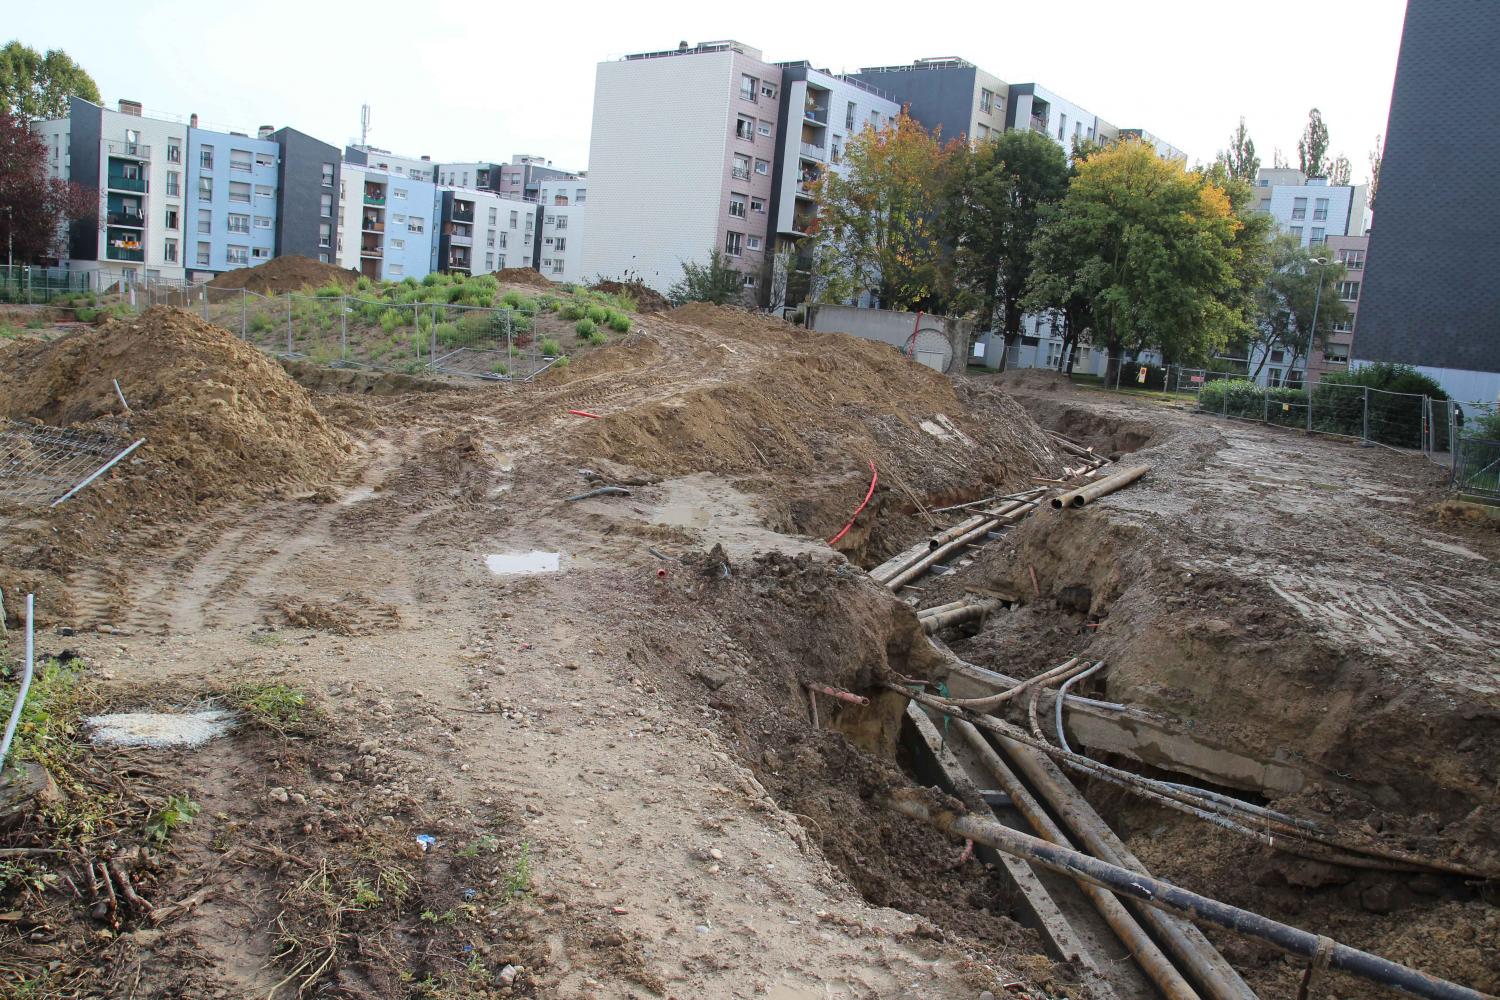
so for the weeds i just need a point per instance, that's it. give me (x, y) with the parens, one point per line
(550, 347)
(518, 879)
(277, 706)
(179, 809)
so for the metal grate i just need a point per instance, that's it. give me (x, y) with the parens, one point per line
(42, 464)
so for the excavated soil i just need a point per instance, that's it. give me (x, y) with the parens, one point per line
(523, 276)
(289, 273)
(647, 299)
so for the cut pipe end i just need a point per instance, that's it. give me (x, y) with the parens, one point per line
(1057, 503)
(1077, 501)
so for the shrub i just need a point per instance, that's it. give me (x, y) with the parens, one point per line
(571, 311)
(598, 314)
(515, 300)
(390, 320)
(562, 362)
(447, 334)
(619, 322)
(551, 347)
(499, 368)
(261, 323)
(586, 328)
(1485, 425)
(363, 283)
(435, 278)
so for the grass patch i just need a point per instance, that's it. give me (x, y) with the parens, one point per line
(279, 707)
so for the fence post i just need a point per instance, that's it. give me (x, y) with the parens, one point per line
(244, 322)
(1365, 436)
(288, 326)
(1265, 405)
(343, 332)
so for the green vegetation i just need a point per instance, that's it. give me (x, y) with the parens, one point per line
(277, 706)
(586, 328)
(550, 347)
(619, 322)
(262, 323)
(518, 879)
(178, 810)
(9, 332)
(717, 281)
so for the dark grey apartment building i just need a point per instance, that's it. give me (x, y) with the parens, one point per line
(1431, 298)
(307, 196)
(948, 93)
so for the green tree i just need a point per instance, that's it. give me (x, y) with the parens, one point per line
(717, 281)
(35, 86)
(1340, 171)
(877, 228)
(1239, 160)
(1249, 253)
(993, 204)
(1312, 148)
(1148, 248)
(1376, 155)
(1288, 299)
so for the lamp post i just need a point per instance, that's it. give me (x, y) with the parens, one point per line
(1312, 332)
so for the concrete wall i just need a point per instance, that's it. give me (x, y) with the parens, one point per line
(896, 328)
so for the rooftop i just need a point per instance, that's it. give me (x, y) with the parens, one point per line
(683, 49)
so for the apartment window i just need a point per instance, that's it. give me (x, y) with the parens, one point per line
(737, 205)
(874, 119)
(239, 159)
(547, 241)
(562, 222)
(748, 87)
(398, 193)
(325, 234)
(395, 269)
(753, 242)
(762, 167)
(1343, 326)
(265, 160)
(239, 192)
(205, 221)
(205, 254)
(501, 240)
(1354, 260)
(205, 189)
(557, 266)
(174, 152)
(1320, 209)
(398, 244)
(550, 220)
(1296, 231)
(1299, 208)
(1336, 359)
(741, 167)
(489, 262)
(238, 223)
(322, 258)
(174, 184)
(1349, 291)
(835, 151)
(235, 255)
(763, 128)
(748, 281)
(262, 222)
(325, 206)
(1062, 126)
(560, 245)
(744, 128)
(414, 225)
(1317, 236)
(171, 218)
(733, 244)
(986, 100)
(206, 157)
(530, 223)
(768, 90)
(260, 253)
(581, 196)
(328, 175)
(169, 251)
(264, 191)
(494, 213)
(849, 113)
(758, 205)
(983, 132)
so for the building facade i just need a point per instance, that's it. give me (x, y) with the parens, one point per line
(1065, 123)
(563, 208)
(386, 224)
(481, 232)
(1431, 299)
(418, 168)
(309, 178)
(230, 205)
(669, 188)
(522, 176)
(950, 96)
(1310, 208)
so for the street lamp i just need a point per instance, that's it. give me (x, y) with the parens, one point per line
(1313, 330)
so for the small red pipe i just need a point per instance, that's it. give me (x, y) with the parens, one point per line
(853, 699)
(585, 413)
(874, 478)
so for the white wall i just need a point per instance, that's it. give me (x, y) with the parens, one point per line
(656, 164)
(566, 223)
(1346, 209)
(501, 243)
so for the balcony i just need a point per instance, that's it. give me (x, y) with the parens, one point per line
(812, 151)
(134, 150)
(372, 225)
(135, 219)
(1039, 124)
(814, 115)
(462, 212)
(376, 198)
(119, 182)
(371, 250)
(124, 253)
(460, 240)
(458, 265)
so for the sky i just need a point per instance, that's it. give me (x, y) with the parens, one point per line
(460, 82)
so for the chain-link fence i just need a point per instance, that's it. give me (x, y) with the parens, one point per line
(1476, 469)
(28, 285)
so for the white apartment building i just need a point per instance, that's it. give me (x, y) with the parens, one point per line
(482, 232)
(418, 168)
(386, 224)
(564, 200)
(1310, 208)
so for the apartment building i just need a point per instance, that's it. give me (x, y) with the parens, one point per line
(564, 202)
(671, 187)
(1310, 208)
(522, 176)
(1041, 110)
(481, 232)
(418, 168)
(133, 165)
(947, 95)
(386, 223)
(308, 184)
(230, 204)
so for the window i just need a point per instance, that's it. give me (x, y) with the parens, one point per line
(874, 118)
(489, 262)
(328, 175)
(768, 90)
(325, 206)
(1299, 208)
(494, 213)
(206, 157)
(983, 132)
(205, 254)
(748, 87)
(205, 221)
(560, 245)
(562, 222)
(169, 251)
(239, 192)
(1278, 356)
(530, 223)
(753, 242)
(1341, 358)
(1320, 209)
(547, 241)
(733, 243)
(849, 113)
(741, 169)
(835, 152)
(1354, 260)
(398, 193)
(265, 160)
(322, 258)
(986, 100)
(260, 253)
(515, 219)
(414, 225)
(557, 266)
(236, 255)
(239, 159)
(1062, 126)
(1343, 326)
(550, 220)
(238, 223)
(174, 184)
(581, 196)
(398, 244)
(1317, 236)
(171, 218)
(394, 269)
(262, 222)
(758, 205)
(737, 205)
(205, 189)
(744, 128)
(748, 281)
(1296, 231)
(762, 167)
(763, 128)
(1349, 291)
(501, 237)
(174, 154)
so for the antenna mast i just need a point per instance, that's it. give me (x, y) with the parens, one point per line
(364, 124)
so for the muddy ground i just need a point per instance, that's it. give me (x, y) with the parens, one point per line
(614, 761)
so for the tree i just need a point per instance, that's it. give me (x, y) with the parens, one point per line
(1376, 155)
(1239, 160)
(1250, 257)
(878, 224)
(33, 207)
(717, 282)
(1340, 171)
(1312, 148)
(996, 195)
(1148, 248)
(35, 86)
(1289, 298)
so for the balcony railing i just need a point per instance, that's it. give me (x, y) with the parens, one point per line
(132, 149)
(462, 214)
(124, 253)
(119, 182)
(374, 199)
(460, 241)
(371, 252)
(135, 220)
(815, 116)
(1039, 124)
(812, 151)
(372, 226)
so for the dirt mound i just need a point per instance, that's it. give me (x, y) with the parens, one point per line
(290, 273)
(647, 299)
(728, 319)
(219, 417)
(523, 276)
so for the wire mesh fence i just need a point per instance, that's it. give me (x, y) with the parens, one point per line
(29, 285)
(43, 464)
(1476, 469)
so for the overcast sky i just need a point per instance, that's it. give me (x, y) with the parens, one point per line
(473, 81)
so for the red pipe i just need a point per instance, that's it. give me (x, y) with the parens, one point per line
(853, 699)
(584, 413)
(874, 478)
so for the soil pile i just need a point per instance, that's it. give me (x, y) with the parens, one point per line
(219, 417)
(290, 273)
(647, 299)
(523, 276)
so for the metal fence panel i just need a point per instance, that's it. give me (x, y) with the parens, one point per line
(1476, 469)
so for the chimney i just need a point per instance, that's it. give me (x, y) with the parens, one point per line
(426, 159)
(193, 120)
(130, 107)
(265, 131)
